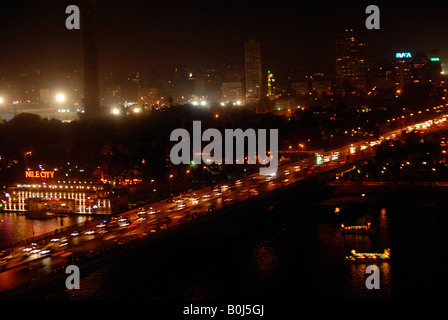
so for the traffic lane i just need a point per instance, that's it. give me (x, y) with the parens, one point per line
(20, 275)
(26, 257)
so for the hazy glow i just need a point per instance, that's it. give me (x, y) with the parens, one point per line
(60, 97)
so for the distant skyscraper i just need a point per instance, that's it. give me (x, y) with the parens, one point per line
(403, 71)
(351, 64)
(253, 71)
(89, 58)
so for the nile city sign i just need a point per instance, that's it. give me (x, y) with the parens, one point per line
(39, 174)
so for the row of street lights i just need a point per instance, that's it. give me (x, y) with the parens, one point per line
(60, 97)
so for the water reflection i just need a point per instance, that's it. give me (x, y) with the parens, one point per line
(357, 277)
(16, 227)
(197, 291)
(291, 255)
(334, 245)
(373, 242)
(263, 261)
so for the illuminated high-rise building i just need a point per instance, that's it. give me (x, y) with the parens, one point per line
(351, 66)
(403, 70)
(253, 72)
(270, 80)
(91, 88)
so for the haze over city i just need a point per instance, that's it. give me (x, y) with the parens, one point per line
(157, 35)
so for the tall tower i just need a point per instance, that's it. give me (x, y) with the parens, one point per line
(252, 51)
(89, 58)
(351, 66)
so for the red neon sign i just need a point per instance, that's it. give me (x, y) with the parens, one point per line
(39, 174)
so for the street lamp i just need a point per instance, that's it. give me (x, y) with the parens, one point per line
(171, 192)
(60, 97)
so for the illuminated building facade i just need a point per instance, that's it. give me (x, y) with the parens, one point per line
(351, 66)
(232, 91)
(253, 71)
(415, 69)
(271, 80)
(403, 70)
(76, 197)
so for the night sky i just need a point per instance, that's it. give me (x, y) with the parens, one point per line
(144, 35)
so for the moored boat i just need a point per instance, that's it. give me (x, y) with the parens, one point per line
(40, 214)
(357, 229)
(368, 257)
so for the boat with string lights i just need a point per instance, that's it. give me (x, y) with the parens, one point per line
(364, 257)
(365, 229)
(41, 195)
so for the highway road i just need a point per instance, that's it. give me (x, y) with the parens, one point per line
(37, 261)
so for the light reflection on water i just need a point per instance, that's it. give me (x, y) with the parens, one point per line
(263, 261)
(357, 278)
(286, 256)
(288, 260)
(14, 227)
(284, 262)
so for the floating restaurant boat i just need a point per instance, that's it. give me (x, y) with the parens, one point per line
(41, 195)
(363, 257)
(40, 214)
(357, 229)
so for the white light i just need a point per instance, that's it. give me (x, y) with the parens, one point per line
(1, 100)
(116, 111)
(60, 97)
(195, 103)
(203, 103)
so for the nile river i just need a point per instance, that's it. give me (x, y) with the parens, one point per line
(281, 251)
(291, 252)
(14, 227)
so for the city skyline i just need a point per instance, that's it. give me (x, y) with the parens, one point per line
(153, 36)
